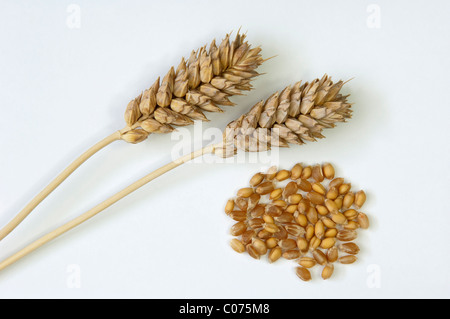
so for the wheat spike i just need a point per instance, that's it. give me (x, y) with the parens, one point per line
(297, 114)
(201, 84)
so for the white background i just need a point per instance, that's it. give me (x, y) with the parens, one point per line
(63, 87)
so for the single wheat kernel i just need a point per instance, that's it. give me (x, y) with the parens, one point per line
(306, 172)
(279, 203)
(360, 199)
(238, 229)
(351, 225)
(287, 244)
(294, 229)
(291, 209)
(350, 213)
(294, 199)
(349, 248)
(322, 210)
(309, 232)
(320, 257)
(229, 206)
(347, 235)
(237, 245)
(281, 233)
(264, 234)
(307, 262)
(304, 185)
(363, 221)
(302, 244)
(349, 198)
(258, 211)
(271, 242)
(245, 192)
(332, 193)
(319, 229)
(349, 259)
(260, 246)
(291, 254)
(268, 219)
(338, 201)
(314, 243)
(328, 222)
(316, 198)
(332, 254)
(251, 250)
(282, 175)
(319, 188)
(312, 215)
(296, 171)
(253, 200)
(336, 182)
(271, 228)
(285, 218)
(327, 243)
(247, 236)
(242, 203)
(264, 188)
(290, 189)
(331, 232)
(274, 210)
(303, 206)
(256, 179)
(301, 219)
(256, 223)
(271, 172)
(338, 218)
(328, 171)
(317, 173)
(275, 254)
(331, 205)
(238, 215)
(303, 273)
(344, 188)
(327, 271)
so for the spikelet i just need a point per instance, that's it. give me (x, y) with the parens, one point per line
(297, 114)
(201, 84)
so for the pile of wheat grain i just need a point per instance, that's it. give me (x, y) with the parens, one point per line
(312, 218)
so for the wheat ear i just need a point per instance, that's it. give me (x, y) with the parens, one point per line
(201, 84)
(317, 95)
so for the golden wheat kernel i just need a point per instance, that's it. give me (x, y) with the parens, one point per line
(332, 193)
(336, 182)
(282, 175)
(275, 194)
(338, 218)
(264, 188)
(327, 243)
(307, 262)
(275, 254)
(319, 256)
(290, 189)
(271, 242)
(344, 188)
(309, 232)
(332, 254)
(316, 198)
(285, 218)
(348, 200)
(238, 229)
(237, 245)
(351, 225)
(264, 234)
(317, 173)
(303, 206)
(270, 227)
(253, 200)
(312, 215)
(349, 248)
(245, 192)
(301, 219)
(350, 213)
(348, 259)
(268, 219)
(251, 250)
(331, 233)
(229, 206)
(256, 179)
(319, 188)
(319, 229)
(242, 203)
(306, 172)
(281, 233)
(304, 185)
(291, 254)
(303, 273)
(287, 243)
(279, 203)
(247, 236)
(296, 171)
(257, 211)
(260, 246)
(338, 201)
(274, 210)
(271, 173)
(291, 209)
(322, 210)
(294, 199)
(294, 229)
(363, 221)
(302, 244)
(331, 205)
(256, 223)
(328, 222)
(360, 199)
(314, 243)
(347, 235)
(328, 171)
(327, 271)
(238, 215)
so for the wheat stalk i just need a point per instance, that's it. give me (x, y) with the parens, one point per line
(311, 107)
(201, 84)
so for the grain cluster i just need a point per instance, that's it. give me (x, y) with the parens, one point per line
(306, 214)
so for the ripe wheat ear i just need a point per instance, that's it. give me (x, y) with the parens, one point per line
(201, 84)
(302, 114)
